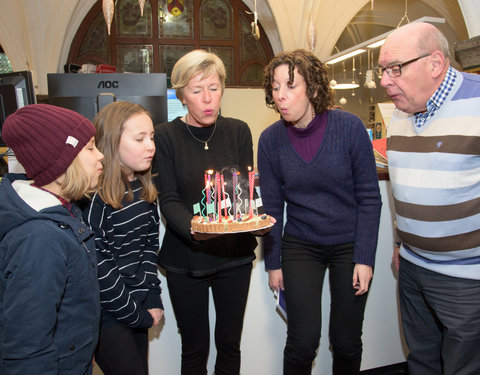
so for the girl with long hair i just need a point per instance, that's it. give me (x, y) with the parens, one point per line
(124, 216)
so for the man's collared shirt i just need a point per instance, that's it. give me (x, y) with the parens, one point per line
(436, 100)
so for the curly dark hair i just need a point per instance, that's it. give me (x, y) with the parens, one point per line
(311, 69)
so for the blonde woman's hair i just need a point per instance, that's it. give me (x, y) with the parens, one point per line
(113, 182)
(193, 63)
(75, 183)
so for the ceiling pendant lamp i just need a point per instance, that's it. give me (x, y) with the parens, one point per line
(344, 83)
(369, 76)
(108, 7)
(142, 4)
(333, 83)
(312, 34)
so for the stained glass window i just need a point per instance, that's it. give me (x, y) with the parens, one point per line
(5, 66)
(216, 20)
(227, 56)
(167, 30)
(135, 58)
(169, 55)
(250, 48)
(129, 22)
(96, 44)
(252, 75)
(175, 19)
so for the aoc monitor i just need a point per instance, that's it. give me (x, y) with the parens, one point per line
(90, 92)
(16, 91)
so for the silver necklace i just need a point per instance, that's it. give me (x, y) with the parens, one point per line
(199, 140)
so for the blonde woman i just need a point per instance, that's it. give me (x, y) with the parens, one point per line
(186, 148)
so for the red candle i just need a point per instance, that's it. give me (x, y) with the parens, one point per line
(218, 196)
(234, 177)
(223, 196)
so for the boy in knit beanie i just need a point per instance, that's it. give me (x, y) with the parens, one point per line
(49, 296)
(46, 139)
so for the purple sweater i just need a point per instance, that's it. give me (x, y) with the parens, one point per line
(332, 199)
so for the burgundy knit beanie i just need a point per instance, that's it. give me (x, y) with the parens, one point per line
(46, 139)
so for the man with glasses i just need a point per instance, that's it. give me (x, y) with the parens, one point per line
(433, 151)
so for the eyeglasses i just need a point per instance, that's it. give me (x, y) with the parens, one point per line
(395, 70)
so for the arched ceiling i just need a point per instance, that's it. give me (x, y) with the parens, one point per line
(388, 14)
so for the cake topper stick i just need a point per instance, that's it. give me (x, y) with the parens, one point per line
(218, 196)
(238, 213)
(203, 213)
(251, 183)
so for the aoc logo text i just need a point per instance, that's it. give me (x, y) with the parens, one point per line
(107, 85)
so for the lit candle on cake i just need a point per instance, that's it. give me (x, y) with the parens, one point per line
(209, 185)
(251, 181)
(218, 196)
(234, 197)
(223, 196)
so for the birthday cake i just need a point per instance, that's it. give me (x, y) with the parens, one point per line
(243, 224)
(229, 204)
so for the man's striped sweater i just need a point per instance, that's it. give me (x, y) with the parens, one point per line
(435, 177)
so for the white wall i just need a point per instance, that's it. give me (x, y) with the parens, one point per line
(264, 330)
(249, 105)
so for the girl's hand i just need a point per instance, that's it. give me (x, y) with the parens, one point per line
(157, 315)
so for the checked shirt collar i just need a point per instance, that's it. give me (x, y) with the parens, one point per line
(436, 100)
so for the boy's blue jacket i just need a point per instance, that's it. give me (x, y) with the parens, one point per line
(49, 295)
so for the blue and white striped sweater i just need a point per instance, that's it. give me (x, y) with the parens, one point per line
(435, 178)
(127, 244)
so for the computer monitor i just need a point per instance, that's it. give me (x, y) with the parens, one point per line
(88, 93)
(175, 106)
(16, 91)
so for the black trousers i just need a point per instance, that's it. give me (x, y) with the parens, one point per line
(441, 321)
(304, 265)
(189, 296)
(122, 350)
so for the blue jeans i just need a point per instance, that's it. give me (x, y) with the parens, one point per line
(189, 296)
(304, 265)
(441, 321)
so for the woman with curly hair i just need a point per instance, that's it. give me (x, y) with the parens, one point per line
(318, 165)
